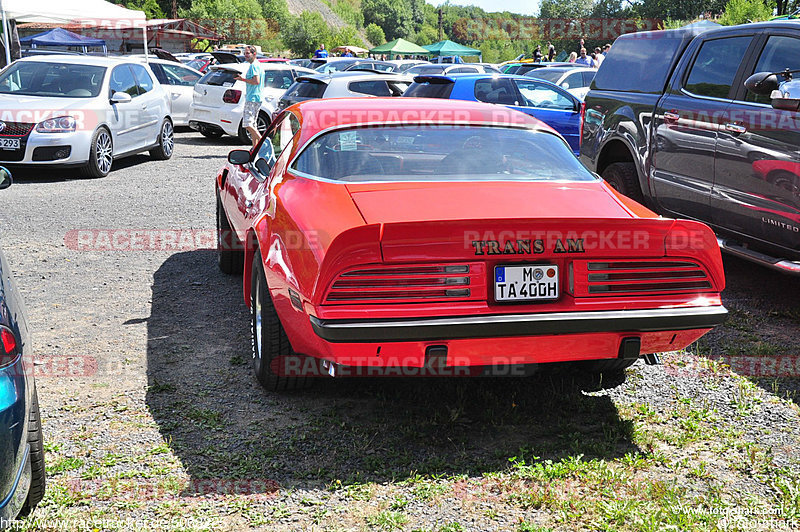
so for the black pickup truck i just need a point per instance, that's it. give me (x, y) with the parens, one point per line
(670, 123)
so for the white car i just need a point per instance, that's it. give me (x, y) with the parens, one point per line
(218, 99)
(81, 111)
(178, 80)
(575, 79)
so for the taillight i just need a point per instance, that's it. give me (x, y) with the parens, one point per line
(413, 283)
(8, 353)
(638, 277)
(232, 96)
(583, 119)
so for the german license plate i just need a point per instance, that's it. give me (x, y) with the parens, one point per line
(9, 144)
(532, 282)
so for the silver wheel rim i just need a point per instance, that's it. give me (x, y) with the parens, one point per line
(167, 141)
(104, 152)
(261, 124)
(258, 318)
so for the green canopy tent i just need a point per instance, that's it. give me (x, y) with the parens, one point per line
(399, 47)
(449, 47)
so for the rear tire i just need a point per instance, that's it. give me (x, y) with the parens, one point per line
(230, 251)
(101, 154)
(36, 457)
(270, 346)
(166, 142)
(624, 179)
(244, 137)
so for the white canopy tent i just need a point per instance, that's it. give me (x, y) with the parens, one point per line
(95, 13)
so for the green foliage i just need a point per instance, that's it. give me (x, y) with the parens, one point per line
(427, 35)
(150, 7)
(346, 35)
(392, 16)
(568, 9)
(276, 10)
(678, 9)
(304, 33)
(238, 20)
(375, 34)
(349, 11)
(743, 11)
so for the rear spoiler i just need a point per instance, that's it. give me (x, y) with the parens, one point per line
(433, 79)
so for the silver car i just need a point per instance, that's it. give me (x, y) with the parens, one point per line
(81, 111)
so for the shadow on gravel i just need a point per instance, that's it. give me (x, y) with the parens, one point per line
(223, 425)
(761, 337)
(31, 174)
(200, 140)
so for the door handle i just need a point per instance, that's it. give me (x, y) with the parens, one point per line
(671, 116)
(737, 129)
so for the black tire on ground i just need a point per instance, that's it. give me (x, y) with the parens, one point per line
(166, 142)
(36, 457)
(262, 123)
(244, 136)
(230, 251)
(269, 343)
(101, 154)
(211, 133)
(623, 178)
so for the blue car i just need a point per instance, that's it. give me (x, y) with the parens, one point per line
(541, 99)
(22, 471)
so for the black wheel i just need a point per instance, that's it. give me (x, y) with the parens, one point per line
(270, 346)
(623, 178)
(211, 133)
(166, 142)
(230, 252)
(785, 180)
(36, 457)
(101, 154)
(244, 136)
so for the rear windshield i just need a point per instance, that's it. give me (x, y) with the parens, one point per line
(639, 62)
(427, 89)
(547, 74)
(306, 89)
(218, 77)
(426, 69)
(61, 80)
(440, 153)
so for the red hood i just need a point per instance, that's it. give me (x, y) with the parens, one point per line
(416, 202)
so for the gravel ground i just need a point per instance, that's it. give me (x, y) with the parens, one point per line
(152, 419)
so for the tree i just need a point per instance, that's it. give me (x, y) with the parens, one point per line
(346, 35)
(150, 7)
(392, 16)
(304, 33)
(743, 11)
(375, 34)
(426, 35)
(566, 9)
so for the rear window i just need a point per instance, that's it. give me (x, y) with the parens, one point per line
(218, 77)
(432, 69)
(427, 89)
(306, 89)
(547, 74)
(440, 153)
(639, 62)
(278, 79)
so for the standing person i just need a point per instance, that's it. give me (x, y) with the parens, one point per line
(252, 100)
(537, 54)
(572, 57)
(321, 51)
(598, 57)
(606, 48)
(582, 44)
(584, 60)
(551, 52)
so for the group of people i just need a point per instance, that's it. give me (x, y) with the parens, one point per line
(321, 52)
(581, 57)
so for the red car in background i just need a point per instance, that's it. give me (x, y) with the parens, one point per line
(415, 233)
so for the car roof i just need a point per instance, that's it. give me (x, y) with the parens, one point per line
(80, 59)
(327, 113)
(266, 67)
(566, 69)
(352, 74)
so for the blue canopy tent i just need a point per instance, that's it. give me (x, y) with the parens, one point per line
(62, 37)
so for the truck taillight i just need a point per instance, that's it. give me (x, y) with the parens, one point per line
(232, 96)
(8, 349)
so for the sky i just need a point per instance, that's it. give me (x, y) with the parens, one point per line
(524, 7)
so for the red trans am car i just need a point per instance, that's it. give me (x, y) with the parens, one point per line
(410, 232)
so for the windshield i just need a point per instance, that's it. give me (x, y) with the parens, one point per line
(61, 80)
(546, 74)
(440, 153)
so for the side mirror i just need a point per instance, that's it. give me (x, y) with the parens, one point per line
(120, 97)
(762, 83)
(239, 157)
(263, 166)
(5, 178)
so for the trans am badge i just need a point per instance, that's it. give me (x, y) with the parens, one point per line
(526, 246)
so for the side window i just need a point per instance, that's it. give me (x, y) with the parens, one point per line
(374, 88)
(176, 75)
(143, 78)
(587, 77)
(496, 90)
(122, 81)
(278, 79)
(573, 81)
(461, 70)
(715, 66)
(779, 53)
(158, 70)
(538, 94)
(277, 140)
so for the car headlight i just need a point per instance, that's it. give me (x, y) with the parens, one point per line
(61, 124)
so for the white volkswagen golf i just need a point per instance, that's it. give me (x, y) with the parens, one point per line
(81, 111)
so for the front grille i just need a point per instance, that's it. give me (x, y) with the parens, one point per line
(16, 129)
(631, 277)
(416, 283)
